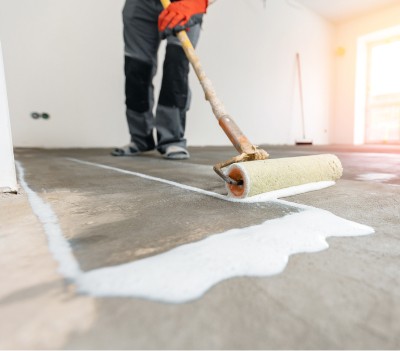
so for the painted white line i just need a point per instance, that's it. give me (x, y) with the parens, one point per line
(145, 176)
(187, 272)
(272, 195)
(58, 245)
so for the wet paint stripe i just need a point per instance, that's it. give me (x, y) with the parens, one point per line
(270, 196)
(59, 247)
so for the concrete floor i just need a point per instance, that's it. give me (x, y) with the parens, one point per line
(346, 297)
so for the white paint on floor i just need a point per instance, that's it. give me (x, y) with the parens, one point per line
(272, 195)
(377, 177)
(58, 245)
(187, 272)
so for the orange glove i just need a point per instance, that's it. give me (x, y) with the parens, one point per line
(181, 15)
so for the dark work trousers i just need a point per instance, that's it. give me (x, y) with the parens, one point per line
(142, 40)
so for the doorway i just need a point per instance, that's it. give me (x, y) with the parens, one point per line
(382, 110)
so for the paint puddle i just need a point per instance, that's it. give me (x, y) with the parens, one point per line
(376, 177)
(187, 272)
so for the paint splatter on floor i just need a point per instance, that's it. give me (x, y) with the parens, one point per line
(377, 177)
(187, 272)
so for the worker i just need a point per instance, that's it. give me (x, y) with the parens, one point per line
(146, 23)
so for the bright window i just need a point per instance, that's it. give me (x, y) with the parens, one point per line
(383, 92)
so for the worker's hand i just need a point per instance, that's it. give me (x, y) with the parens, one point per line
(181, 15)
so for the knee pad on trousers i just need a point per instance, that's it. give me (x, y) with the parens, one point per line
(138, 81)
(175, 85)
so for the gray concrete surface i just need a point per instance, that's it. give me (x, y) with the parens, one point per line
(346, 297)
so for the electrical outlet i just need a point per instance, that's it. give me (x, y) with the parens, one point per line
(36, 115)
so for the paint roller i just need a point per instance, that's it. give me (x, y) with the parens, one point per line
(252, 172)
(262, 176)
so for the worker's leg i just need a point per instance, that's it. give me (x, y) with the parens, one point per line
(142, 40)
(175, 94)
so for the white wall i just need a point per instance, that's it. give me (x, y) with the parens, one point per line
(8, 180)
(66, 58)
(249, 53)
(347, 35)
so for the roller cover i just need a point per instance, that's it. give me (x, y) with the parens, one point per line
(274, 174)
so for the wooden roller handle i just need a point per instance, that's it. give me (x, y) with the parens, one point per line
(211, 95)
(165, 3)
(235, 135)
